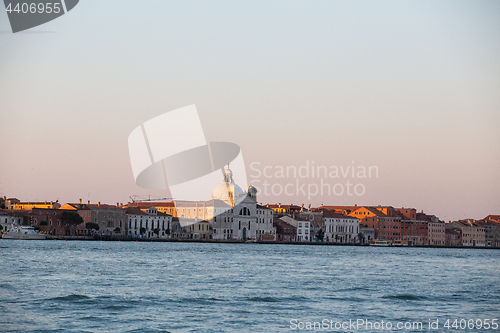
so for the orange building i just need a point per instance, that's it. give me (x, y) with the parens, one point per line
(16, 204)
(280, 209)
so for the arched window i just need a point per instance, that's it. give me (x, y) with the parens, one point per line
(244, 211)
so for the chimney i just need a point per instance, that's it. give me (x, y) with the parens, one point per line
(309, 206)
(88, 202)
(80, 201)
(279, 204)
(117, 204)
(98, 204)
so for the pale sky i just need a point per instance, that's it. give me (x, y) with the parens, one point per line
(411, 87)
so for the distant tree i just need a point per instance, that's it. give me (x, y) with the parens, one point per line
(167, 232)
(320, 234)
(117, 229)
(71, 218)
(142, 230)
(156, 231)
(92, 226)
(1, 227)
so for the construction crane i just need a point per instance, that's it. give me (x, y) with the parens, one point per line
(149, 197)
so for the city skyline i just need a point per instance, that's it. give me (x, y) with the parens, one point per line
(411, 88)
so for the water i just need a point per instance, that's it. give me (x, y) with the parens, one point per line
(79, 286)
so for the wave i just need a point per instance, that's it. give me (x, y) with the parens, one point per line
(405, 297)
(6, 286)
(263, 299)
(69, 298)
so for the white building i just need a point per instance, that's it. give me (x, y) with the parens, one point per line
(9, 221)
(150, 222)
(303, 231)
(340, 228)
(237, 215)
(304, 228)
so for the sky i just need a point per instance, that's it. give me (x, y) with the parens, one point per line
(410, 88)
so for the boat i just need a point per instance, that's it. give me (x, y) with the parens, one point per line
(376, 242)
(400, 243)
(23, 233)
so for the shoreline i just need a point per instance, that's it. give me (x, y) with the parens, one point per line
(212, 241)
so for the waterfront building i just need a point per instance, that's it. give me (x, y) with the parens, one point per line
(304, 231)
(246, 219)
(85, 214)
(285, 232)
(150, 224)
(232, 214)
(385, 226)
(265, 227)
(414, 226)
(491, 224)
(110, 219)
(315, 218)
(453, 237)
(340, 228)
(195, 229)
(491, 234)
(49, 221)
(366, 234)
(10, 219)
(436, 230)
(472, 233)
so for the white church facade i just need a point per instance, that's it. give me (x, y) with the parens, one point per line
(239, 217)
(233, 214)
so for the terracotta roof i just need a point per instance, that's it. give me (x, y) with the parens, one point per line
(330, 214)
(493, 217)
(372, 210)
(77, 206)
(278, 221)
(135, 211)
(452, 231)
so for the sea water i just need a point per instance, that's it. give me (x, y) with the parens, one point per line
(93, 286)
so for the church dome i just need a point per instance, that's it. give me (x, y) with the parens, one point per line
(227, 191)
(224, 191)
(251, 189)
(252, 192)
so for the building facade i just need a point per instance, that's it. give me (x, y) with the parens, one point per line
(340, 228)
(150, 224)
